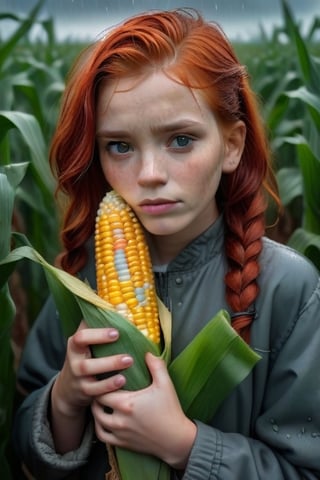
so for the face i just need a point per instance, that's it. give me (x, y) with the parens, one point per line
(162, 150)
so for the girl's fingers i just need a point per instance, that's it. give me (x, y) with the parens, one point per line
(157, 369)
(95, 336)
(104, 365)
(96, 388)
(84, 337)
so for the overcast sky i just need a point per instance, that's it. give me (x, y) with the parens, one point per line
(86, 19)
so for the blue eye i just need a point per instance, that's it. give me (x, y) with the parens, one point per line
(118, 147)
(181, 141)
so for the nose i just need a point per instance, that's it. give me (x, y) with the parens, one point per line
(153, 169)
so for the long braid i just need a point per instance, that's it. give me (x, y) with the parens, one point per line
(243, 245)
(244, 194)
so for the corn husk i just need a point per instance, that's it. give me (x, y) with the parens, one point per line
(204, 373)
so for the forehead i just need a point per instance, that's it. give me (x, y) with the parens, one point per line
(147, 95)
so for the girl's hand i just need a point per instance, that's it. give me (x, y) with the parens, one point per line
(149, 420)
(77, 383)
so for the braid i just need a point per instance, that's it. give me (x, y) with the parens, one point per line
(243, 244)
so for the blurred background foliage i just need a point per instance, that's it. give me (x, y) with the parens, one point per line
(284, 67)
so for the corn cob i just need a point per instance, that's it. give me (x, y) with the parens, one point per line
(123, 265)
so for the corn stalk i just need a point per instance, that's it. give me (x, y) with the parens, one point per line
(306, 141)
(10, 177)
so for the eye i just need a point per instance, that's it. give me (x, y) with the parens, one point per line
(118, 148)
(181, 141)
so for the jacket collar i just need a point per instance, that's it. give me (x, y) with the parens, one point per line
(202, 249)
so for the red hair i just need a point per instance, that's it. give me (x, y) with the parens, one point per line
(197, 54)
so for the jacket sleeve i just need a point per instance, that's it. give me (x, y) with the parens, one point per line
(42, 359)
(286, 439)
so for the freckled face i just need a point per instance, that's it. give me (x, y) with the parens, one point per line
(161, 149)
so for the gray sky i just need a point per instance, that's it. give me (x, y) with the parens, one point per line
(86, 19)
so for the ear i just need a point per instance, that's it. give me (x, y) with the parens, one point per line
(234, 138)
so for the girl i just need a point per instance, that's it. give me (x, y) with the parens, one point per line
(161, 111)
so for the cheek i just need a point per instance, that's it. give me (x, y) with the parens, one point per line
(107, 173)
(204, 171)
(115, 175)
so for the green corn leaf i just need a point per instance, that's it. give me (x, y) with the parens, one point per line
(31, 133)
(14, 173)
(309, 165)
(48, 26)
(290, 184)
(309, 70)
(7, 47)
(307, 243)
(310, 168)
(7, 199)
(133, 465)
(10, 177)
(310, 99)
(276, 104)
(6, 319)
(31, 93)
(210, 367)
(7, 202)
(34, 200)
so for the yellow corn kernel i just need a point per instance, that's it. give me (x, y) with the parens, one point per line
(123, 265)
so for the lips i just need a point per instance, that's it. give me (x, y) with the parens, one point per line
(157, 206)
(156, 201)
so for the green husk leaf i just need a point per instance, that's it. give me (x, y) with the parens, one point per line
(166, 325)
(131, 341)
(133, 465)
(218, 360)
(67, 305)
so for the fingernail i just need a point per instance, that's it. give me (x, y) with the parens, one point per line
(119, 380)
(127, 360)
(113, 333)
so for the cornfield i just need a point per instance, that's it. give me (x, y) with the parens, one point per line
(285, 70)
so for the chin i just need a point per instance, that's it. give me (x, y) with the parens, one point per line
(160, 232)
(158, 229)
(165, 227)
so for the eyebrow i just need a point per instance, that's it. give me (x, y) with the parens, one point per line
(174, 126)
(111, 133)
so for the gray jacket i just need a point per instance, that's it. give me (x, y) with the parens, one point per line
(269, 426)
